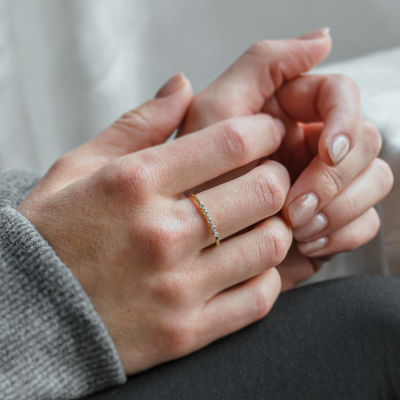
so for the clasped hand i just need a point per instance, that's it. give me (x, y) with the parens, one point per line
(115, 210)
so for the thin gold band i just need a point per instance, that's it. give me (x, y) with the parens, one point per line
(207, 215)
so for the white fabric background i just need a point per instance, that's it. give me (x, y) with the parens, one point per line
(68, 68)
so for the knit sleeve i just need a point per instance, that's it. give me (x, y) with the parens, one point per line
(53, 344)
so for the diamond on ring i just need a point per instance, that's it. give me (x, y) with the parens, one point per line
(209, 219)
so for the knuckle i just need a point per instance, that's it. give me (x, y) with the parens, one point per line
(375, 223)
(386, 174)
(261, 48)
(356, 237)
(344, 82)
(161, 240)
(273, 246)
(137, 122)
(270, 190)
(127, 180)
(373, 138)
(353, 239)
(179, 334)
(170, 288)
(235, 142)
(352, 204)
(272, 60)
(332, 181)
(134, 119)
(263, 302)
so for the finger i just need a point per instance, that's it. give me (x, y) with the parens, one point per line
(356, 234)
(238, 204)
(351, 203)
(254, 77)
(150, 124)
(296, 268)
(239, 306)
(200, 157)
(319, 183)
(294, 152)
(245, 256)
(332, 99)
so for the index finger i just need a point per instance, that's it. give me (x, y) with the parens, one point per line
(254, 77)
(332, 99)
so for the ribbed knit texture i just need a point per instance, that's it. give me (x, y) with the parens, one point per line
(53, 345)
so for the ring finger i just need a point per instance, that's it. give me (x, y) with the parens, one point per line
(238, 204)
(242, 257)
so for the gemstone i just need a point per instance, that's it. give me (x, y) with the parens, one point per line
(214, 228)
(216, 234)
(209, 220)
(202, 205)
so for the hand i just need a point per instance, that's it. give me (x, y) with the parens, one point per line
(115, 213)
(343, 217)
(256, 82)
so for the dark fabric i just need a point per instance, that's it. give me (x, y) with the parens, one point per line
(338, 339)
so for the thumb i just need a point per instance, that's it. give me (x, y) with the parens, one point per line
(148, 125)
(255, 76)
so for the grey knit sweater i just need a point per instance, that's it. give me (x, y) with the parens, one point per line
(53, 345)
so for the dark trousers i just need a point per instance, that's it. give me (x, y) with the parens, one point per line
(338, 339)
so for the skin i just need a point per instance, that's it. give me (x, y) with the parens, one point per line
(115, 212)
(314, 109)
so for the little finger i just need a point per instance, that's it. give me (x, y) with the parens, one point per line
(245, 256)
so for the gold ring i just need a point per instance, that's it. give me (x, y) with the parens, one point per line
(207, 215)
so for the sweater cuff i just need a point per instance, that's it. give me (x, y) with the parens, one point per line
(52, 342)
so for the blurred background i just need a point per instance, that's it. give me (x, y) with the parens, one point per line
(69, 68)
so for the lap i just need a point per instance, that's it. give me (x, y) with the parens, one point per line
(334, 340)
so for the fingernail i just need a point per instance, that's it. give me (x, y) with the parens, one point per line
(172, 86)
(302, 209)
(281, 127)
(311, 228)
(312, 247)
(317, 34)
(339, 148)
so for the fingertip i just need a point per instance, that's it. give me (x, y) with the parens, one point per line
(278, 223)
(281, 172)
(271, 283)
(274, 279)
(173, 85)
(281, 127)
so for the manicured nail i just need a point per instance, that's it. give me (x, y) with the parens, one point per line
(172, 86)
(281, 127)
(317, 34)
(302, 209)
(311, 228)
(339, 148)
(312, 247)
